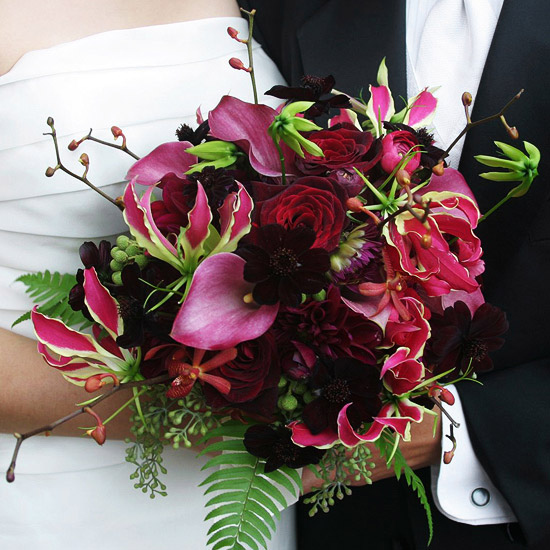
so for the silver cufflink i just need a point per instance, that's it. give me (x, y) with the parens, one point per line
(480, 496)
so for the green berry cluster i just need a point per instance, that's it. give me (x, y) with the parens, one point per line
(126, 251)
(337, 467)
(293, 396)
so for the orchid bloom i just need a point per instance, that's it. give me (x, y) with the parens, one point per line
(196, 241)
(187, 373)
(79, 356)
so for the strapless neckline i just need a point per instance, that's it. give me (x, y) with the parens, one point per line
(32, 63)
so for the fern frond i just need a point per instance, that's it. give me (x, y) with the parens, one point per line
(51, 292)
(389, 450)
(248, 499)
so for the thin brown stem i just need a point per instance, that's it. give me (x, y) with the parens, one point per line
(122, 147)
(248, 42)
(10, 474)
(63, 168)
(470, 124)
(445, 412)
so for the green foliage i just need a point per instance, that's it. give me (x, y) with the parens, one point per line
(337, 466)
(51, 291)
(389, 450)
(247, 498)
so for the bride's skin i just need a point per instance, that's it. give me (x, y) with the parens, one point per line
(28, 25)
(31, 393)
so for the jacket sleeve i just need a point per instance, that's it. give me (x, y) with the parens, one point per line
(509, 425)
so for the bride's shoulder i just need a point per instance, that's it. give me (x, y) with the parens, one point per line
(28, 25)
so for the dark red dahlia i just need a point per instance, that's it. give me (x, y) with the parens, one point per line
(283, 265)
(330, 328)
(337, 383)
(460, 340)
(276, 446)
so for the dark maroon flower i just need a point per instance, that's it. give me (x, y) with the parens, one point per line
(312, 202)
(284, 265)
(276, 446)
(91, 256)
(330, 328)
(186, 133)
(343, 146)
(253, 374)
(458, 340)
(131, 296)
(337, 383)
(313, 88)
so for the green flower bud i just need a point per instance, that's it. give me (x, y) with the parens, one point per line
(141, 260)
(300, 388)
(288, 403)
(116, 277)
(122, 241)
(133, 250)
(308, 397)
(282, 382)
(119, 255)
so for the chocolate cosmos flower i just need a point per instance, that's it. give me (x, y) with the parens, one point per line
(284, 265)
(458, 339)
(312, 89)
(338, 383)
(275, 445)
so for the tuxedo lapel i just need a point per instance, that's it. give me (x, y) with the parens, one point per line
(349, 38)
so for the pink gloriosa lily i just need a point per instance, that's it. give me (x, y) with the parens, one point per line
(79, 356)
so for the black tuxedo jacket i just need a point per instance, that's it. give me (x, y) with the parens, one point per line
(509, 418)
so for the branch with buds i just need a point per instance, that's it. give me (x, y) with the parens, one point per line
(84, 160)
(98, 433)
(116, 131)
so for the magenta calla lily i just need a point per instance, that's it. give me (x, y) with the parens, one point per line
(77, 355)
(217, 314)
(246, 124)
(168, 158)
(380, 107)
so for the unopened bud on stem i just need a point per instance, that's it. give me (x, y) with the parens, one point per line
(236, 63)
(467, 99)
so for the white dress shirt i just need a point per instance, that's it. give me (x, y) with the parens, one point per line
(447, 46)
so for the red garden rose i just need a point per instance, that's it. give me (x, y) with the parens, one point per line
(312, 202)
(343, 146)
(395, 146)
(253, 374)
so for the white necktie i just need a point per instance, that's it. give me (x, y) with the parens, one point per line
(452, 51)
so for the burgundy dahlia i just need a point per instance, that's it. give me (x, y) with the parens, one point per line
(283, 265)
(460, 340)
(276, 446)
(330, 328)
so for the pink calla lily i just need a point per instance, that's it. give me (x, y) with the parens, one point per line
(77, 355)
(246, 124)
(217, 314)
(168, 158)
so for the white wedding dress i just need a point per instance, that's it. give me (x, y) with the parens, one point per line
(69, 493)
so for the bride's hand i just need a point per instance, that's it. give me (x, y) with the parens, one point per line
(422, 450)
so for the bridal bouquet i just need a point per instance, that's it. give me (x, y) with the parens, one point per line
(294, 295)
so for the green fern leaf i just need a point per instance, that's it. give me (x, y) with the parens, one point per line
(51, 292)
(247, 498)
(386, 446)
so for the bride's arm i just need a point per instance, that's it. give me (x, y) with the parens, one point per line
(33, 394)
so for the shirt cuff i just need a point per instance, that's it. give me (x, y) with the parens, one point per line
(462, 490)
